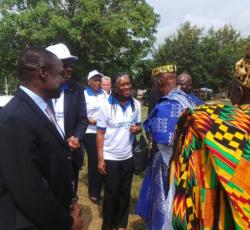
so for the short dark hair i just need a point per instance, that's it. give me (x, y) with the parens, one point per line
(31, 59)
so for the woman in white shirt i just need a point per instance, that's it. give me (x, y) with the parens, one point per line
(94, 98)
(118, 120)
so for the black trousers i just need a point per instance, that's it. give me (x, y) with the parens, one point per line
(76, 179)
(117, 188)
(95, 179)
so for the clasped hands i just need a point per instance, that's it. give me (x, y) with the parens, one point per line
(73, 142)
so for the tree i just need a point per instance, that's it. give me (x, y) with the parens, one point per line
(181, 49)
(219, 50)
(109, 35)
(209, 57)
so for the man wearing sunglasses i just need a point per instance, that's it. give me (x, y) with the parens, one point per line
(70, 109)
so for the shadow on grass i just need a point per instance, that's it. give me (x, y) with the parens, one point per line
(137, 225)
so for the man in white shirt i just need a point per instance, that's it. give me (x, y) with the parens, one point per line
(70, 109)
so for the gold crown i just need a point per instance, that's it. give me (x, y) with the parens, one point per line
(164, 69)
(242, 72)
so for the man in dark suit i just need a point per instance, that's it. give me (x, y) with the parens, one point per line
(70, 109)
(35, 166)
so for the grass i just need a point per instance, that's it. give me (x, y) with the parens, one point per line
(219, 101)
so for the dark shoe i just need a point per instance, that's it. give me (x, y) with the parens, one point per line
(95, 200)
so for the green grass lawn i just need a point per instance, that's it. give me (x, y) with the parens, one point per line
(219, 101)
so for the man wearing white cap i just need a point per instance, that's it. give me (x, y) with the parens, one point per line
(70, 109)
(94, 99)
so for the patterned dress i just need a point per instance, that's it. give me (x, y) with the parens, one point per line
(211, 169)
(152, 203)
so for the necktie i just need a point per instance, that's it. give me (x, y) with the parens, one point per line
(50, 104)
(53, 119)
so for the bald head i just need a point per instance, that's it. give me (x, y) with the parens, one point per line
(184, 81)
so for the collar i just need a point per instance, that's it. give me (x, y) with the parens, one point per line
(113, 101)
(40, 102)
(90, 92)
(65, 86)
(105, 93)
(175, 92)
(180, 96)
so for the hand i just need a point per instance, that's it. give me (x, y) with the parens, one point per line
(135, 129)
(73, 142)
(102, 167)
(92, 121)
(149, 137)
(77, 217)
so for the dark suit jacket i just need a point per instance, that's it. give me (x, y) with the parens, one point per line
(75, 117)
(35, 169)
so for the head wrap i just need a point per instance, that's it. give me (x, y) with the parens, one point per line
(163, 69)
(242, 72)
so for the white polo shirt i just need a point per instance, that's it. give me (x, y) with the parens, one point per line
(116, 120)
(93, 104)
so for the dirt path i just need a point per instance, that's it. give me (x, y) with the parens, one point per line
(92, 212)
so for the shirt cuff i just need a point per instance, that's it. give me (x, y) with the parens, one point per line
(101, 128)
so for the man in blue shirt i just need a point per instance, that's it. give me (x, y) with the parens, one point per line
(159, 126)
(184, 81)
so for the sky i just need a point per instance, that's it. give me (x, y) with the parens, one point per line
(203, 13)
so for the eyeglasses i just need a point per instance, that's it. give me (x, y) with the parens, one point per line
(66, 66)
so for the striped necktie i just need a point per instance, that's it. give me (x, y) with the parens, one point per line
(53, 119)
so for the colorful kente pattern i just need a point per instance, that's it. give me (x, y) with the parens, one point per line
(211, 168)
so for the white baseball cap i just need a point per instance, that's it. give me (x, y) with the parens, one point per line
(61, 51)
(94, 73)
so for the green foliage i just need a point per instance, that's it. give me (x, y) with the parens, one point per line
(115, 35)
(209, 57)
(109, 35)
